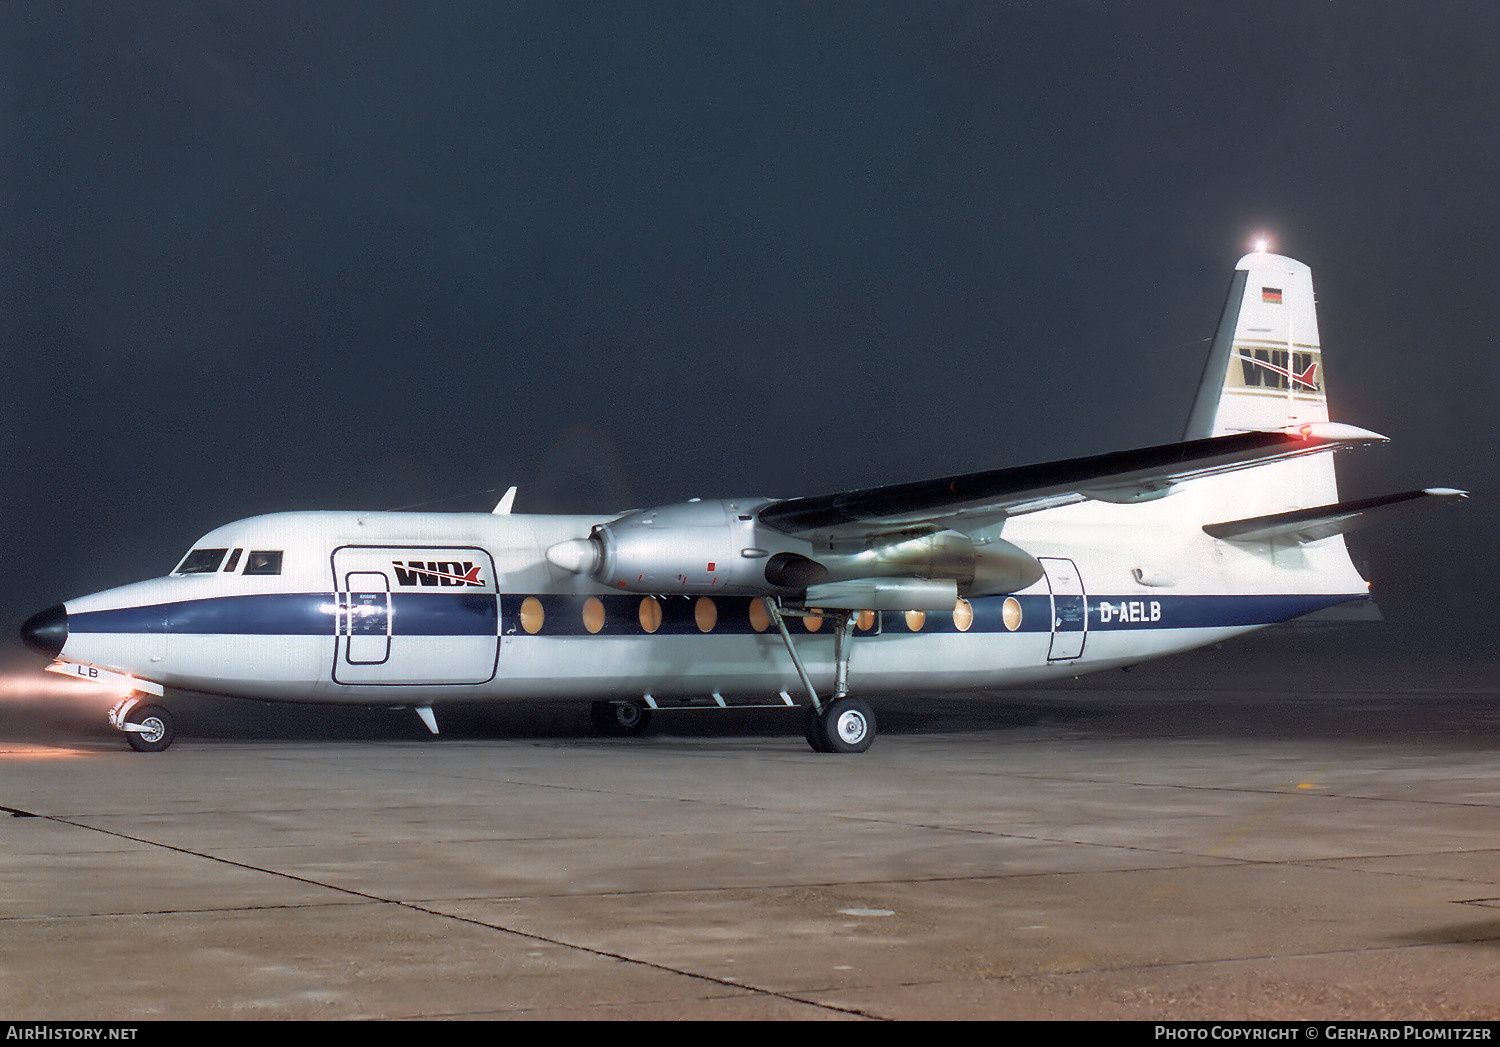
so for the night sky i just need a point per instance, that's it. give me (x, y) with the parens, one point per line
(258, 256)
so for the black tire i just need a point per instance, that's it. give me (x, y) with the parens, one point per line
(620, 719)
(848, 726)
(812, 727)
(161, 729)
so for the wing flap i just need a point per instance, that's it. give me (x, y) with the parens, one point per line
(1324, 521)
(1120, 476)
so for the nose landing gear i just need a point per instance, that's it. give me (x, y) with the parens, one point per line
(148, 728)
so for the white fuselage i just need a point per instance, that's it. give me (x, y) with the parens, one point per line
(423, 608)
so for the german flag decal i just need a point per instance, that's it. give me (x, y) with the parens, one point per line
(1271, 295)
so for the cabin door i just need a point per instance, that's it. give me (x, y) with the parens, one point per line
(1070, 618)
(415, 615)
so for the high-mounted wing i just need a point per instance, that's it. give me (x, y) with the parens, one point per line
(890, 546)
(975, 499)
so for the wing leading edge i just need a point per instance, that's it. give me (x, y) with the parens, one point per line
(975, 499)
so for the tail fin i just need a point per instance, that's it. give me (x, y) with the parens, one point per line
(1265, 366)
(1265, 372)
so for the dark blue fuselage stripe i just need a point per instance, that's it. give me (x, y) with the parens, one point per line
(294, 614)
(562, 615)
(457, 614)
(266, 614)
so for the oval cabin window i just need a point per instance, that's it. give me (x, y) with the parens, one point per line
(705, 614)
(532, 615)
(593, 614)
(760, 621)
(963, 615)
(650, 614)
(1010, 612)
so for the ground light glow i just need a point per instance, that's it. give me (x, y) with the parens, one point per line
(39, 751)
(48, 704)
(23, 688)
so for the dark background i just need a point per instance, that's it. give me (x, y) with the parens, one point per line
(258, 256)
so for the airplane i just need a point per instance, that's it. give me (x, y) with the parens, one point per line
(1010, 576)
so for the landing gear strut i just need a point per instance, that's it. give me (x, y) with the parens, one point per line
(148, 728)
(844, 725)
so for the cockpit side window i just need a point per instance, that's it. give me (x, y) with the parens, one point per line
(201, 561)
(263, 561)
(234, 559)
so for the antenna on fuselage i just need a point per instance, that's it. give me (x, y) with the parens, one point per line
(506, 501)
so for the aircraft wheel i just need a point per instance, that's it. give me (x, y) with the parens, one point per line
(848, 726)
(619, 719)
(160, 729)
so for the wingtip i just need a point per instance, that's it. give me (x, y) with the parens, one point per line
(1337, 432)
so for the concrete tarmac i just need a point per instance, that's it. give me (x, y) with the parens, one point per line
(1257, 832)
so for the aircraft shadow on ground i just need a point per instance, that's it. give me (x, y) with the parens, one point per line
(1244, 712)
(231, 719)
(1289, 686)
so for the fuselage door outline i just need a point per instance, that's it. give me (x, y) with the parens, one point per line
(1070, 617)
(445, 598)
(366, 617)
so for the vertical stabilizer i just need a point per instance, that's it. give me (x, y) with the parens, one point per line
(1265, 366)
(1265, 372)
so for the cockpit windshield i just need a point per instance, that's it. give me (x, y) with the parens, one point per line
(263, 561)
(201, 561)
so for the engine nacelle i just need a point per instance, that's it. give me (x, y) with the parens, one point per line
(990, 565)
(702, 547)
(694, 547)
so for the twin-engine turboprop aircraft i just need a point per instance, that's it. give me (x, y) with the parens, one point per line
(973, 581)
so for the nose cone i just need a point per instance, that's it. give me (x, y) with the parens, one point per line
(46, 631)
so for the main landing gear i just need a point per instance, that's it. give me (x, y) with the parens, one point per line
(845, 724)
(620, 719)
(148, 728)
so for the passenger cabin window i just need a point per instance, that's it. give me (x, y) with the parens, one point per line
(201, 561)
(261, 561)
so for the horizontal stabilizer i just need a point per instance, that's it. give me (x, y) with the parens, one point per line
(1324, 521)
